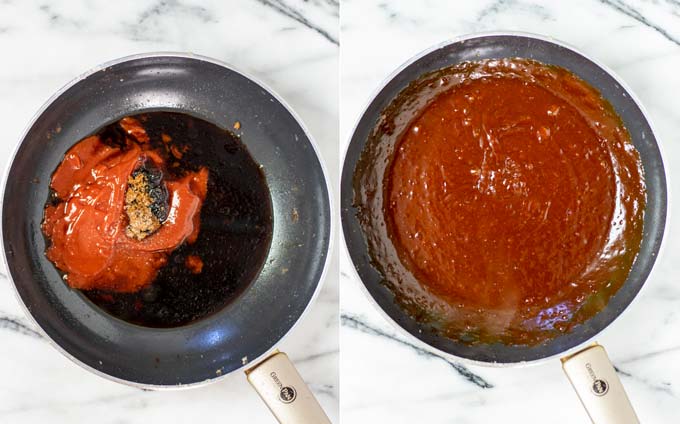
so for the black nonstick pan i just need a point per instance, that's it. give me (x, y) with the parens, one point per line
(248, 328)
(503, 45)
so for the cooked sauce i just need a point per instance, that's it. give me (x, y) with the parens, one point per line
(512, 199)
(159, 218)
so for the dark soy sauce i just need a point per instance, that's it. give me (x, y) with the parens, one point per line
(235, 233)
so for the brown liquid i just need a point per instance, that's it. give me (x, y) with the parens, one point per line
(235, 221)
(512, 199)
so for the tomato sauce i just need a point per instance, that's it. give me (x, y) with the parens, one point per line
(160, 219)
(86, 226)
(511, 201)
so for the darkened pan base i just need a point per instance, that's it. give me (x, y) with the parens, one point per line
(502, 201)
(235, 225)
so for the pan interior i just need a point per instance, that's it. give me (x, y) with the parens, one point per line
(247, 327)
(496, 47)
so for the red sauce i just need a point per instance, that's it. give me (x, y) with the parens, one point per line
(194, 264)
(513, 199)
(134, 129)
(86, 227)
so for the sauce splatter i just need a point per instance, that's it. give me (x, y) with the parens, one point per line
(508, 204)
(194, 264)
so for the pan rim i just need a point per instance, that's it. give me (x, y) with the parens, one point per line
(329, 199)
(376, 92)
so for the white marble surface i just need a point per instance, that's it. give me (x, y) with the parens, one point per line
(386, 380)
(292, 46)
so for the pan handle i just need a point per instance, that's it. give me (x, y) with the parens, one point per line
(599, 388)
(284, 391)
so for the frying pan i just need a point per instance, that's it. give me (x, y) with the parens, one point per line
(246, 330)
(569, 346)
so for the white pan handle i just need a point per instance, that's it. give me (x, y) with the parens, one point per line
(283, 390)
(599, 388)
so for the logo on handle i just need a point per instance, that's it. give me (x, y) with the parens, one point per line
(600, 386)
(287, 394)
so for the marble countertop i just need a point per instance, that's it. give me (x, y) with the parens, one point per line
(387, 379)
(292, 46)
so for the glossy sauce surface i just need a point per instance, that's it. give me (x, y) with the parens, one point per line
(213, 239)
(86, 226)
(513, 199)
